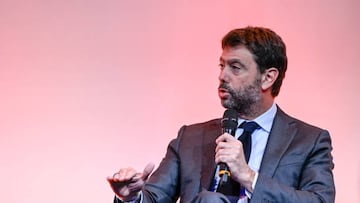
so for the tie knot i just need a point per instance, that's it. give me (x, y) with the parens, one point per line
(249, 127)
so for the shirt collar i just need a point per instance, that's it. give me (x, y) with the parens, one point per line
(266, 119)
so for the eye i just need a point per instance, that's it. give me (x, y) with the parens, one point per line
(236, 69)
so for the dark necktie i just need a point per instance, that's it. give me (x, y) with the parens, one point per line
(245, 138)
(232, 188)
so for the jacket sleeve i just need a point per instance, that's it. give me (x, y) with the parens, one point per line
(163, 185)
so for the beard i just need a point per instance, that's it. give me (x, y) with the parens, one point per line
(244, 100)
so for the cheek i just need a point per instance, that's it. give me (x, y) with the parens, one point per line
(240, 83)
(237, 87)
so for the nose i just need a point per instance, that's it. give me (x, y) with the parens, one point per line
(223, 75)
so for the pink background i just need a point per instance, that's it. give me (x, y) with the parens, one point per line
(89, 86)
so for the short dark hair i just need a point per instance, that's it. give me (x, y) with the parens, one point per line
(266, 46)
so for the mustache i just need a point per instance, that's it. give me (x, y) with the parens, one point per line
(225, 87)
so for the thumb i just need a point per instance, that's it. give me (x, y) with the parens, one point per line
(147, 170)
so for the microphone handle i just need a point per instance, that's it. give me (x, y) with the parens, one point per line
(224, 172)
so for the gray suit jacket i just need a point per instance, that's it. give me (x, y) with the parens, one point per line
(296, 167)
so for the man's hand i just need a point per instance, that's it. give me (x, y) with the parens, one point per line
(127, 183)
(229, 150)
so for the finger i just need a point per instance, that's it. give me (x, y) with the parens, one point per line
(225, 146)
(221, 138)
(224, 138)
(117, 187)
(110, 179)
(147, 170)
(223, 152)
(145, 174)
(222, 145)
(124, 174)
(130, 174)
(136, 185)
(227, 152)
(123, 191)
(223, 157)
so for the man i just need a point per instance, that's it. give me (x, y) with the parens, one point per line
(290, 160)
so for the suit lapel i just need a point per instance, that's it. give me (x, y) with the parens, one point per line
(208, 154)
(281, 135)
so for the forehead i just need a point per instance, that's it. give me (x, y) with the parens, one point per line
(237, 53)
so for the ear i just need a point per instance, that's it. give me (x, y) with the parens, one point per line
(268, 78)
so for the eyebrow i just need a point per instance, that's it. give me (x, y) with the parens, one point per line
(231, 61)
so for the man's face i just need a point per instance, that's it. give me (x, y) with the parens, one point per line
(240, 81)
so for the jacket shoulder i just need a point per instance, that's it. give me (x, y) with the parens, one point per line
(300, 124)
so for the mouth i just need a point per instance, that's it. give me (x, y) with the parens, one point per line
(223, 93)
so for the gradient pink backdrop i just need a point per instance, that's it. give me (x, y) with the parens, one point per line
(88, 86)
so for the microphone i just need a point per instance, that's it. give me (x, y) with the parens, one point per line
(228, 124)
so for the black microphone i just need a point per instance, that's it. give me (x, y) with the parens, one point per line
(229, 125)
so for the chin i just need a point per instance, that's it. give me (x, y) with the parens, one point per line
(226, 104)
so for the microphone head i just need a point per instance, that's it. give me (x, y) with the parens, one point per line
(229, 120)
